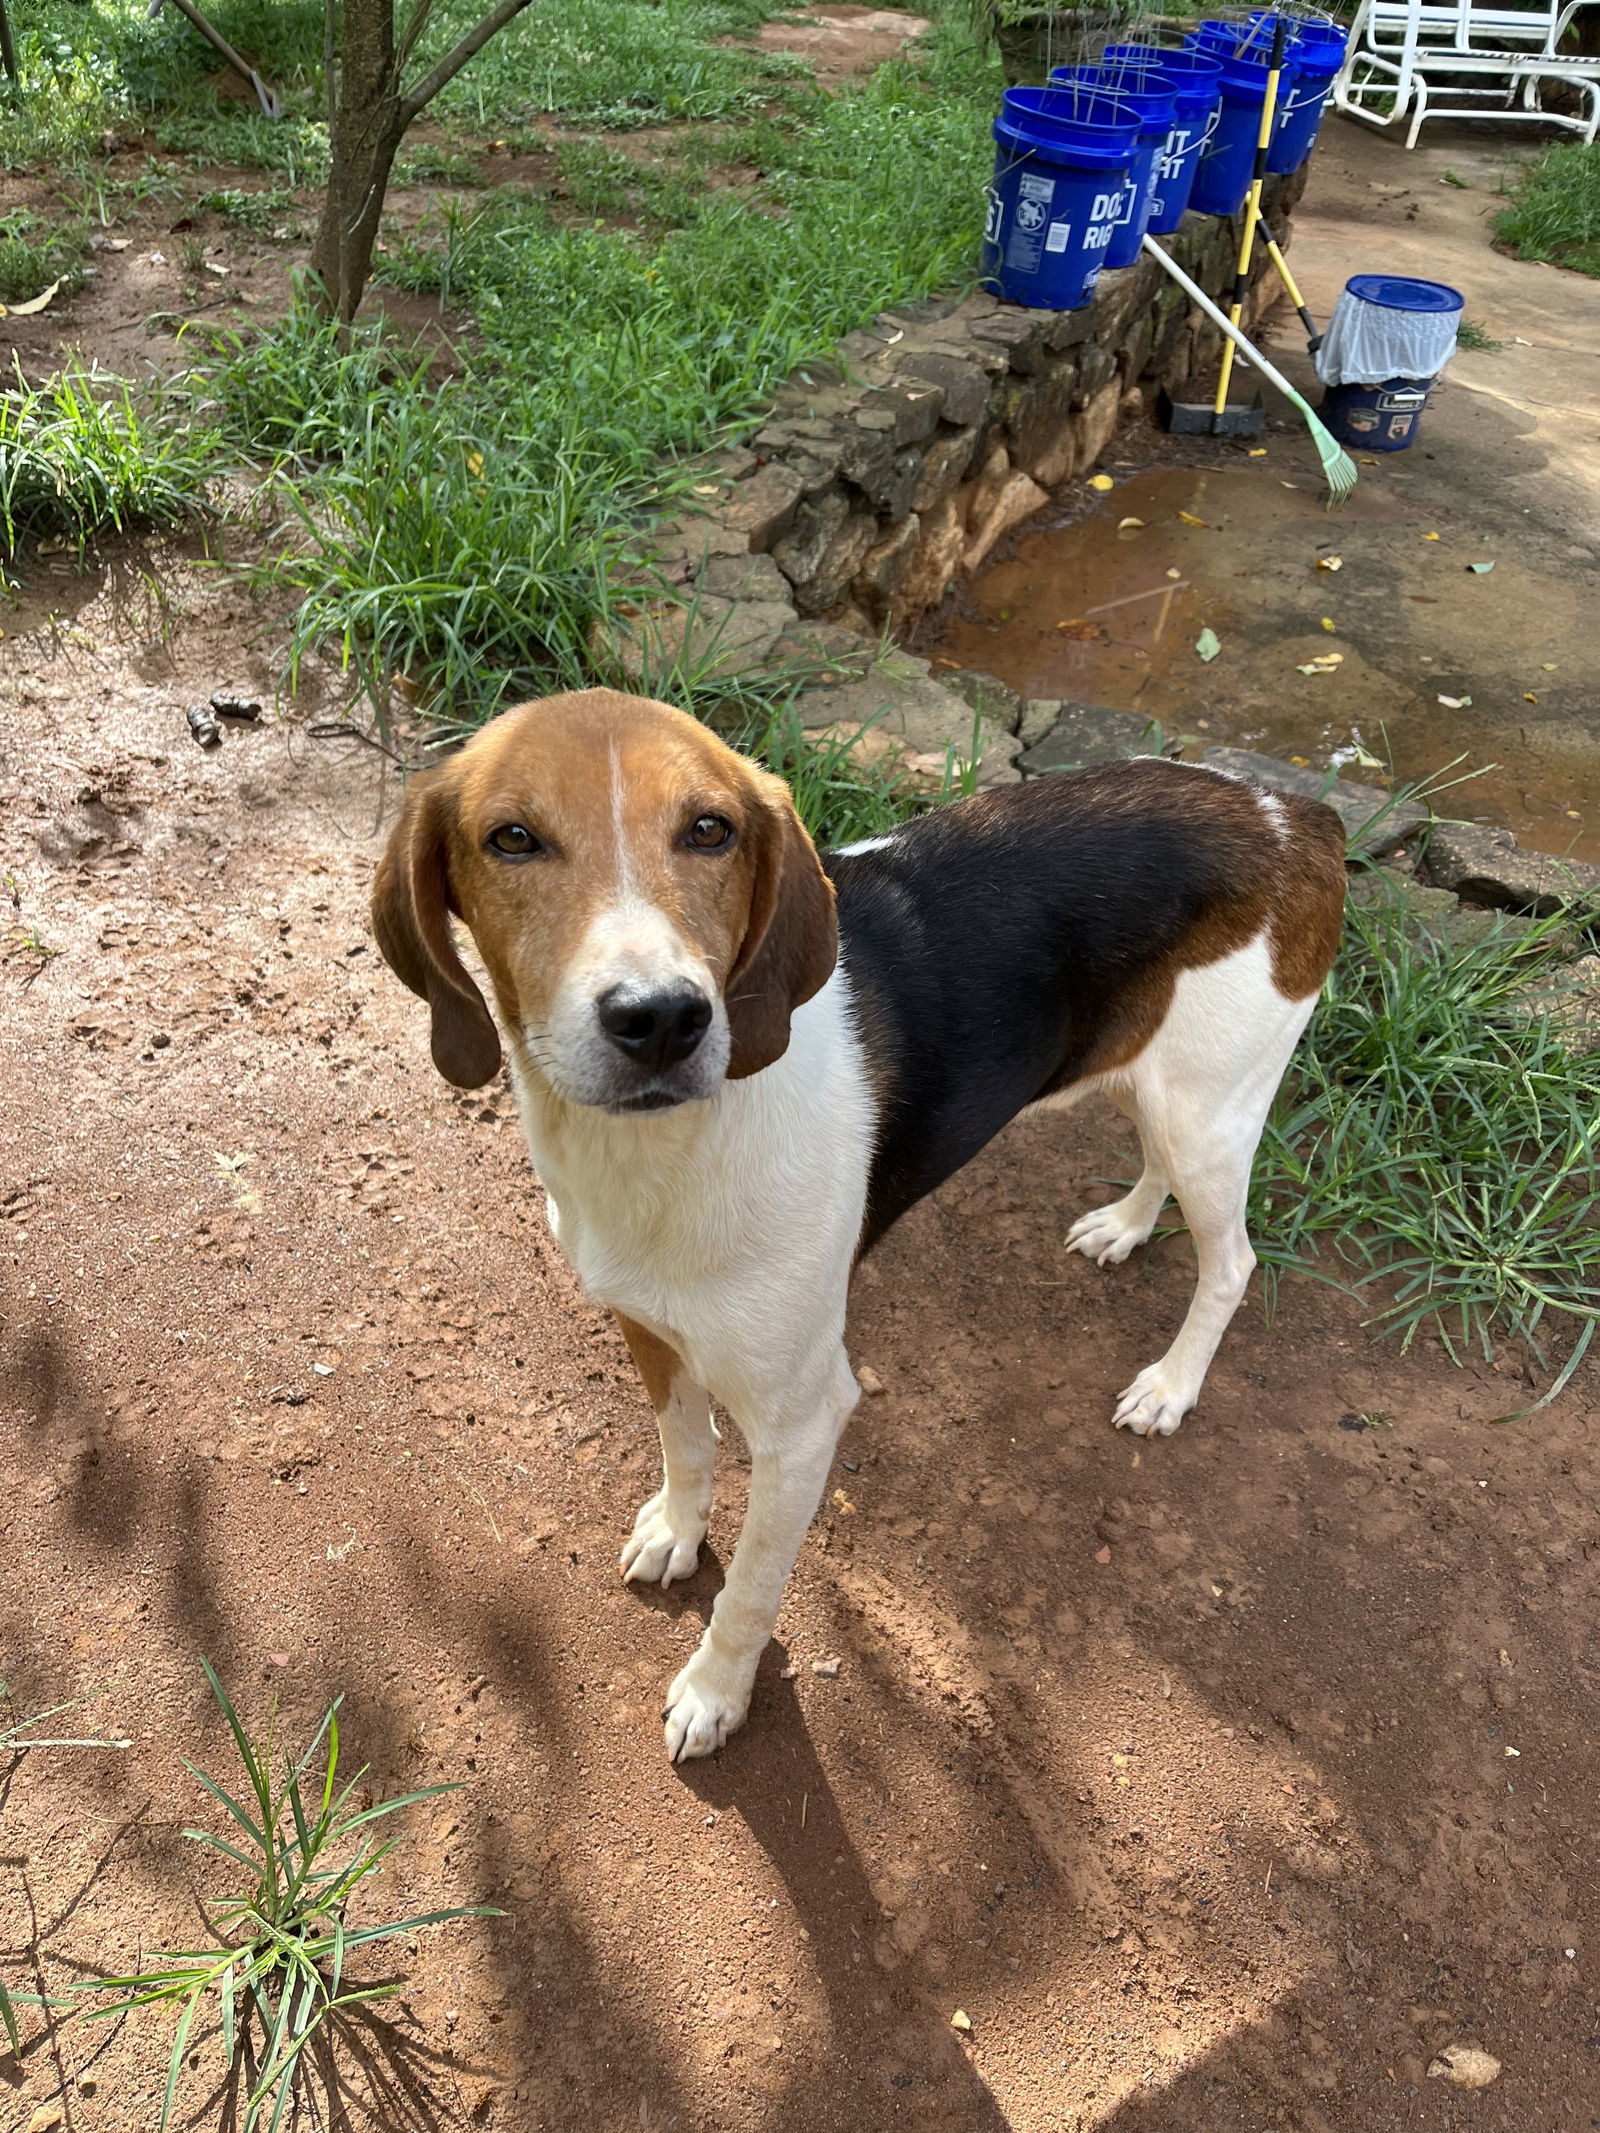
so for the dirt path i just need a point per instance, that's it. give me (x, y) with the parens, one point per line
(1219, 1781)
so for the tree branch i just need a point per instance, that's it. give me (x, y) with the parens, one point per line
(450, 66)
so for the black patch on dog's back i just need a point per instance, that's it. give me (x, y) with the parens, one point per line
(992, 945)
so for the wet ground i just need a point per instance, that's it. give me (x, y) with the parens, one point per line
(1422, 656)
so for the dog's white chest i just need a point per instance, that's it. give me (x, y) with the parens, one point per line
(680, 1218)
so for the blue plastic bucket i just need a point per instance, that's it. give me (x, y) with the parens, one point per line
(1155, 96)
(1195, 121)
(1223, 178)
(1061, 165)
(1377, 418)
(1319, 49)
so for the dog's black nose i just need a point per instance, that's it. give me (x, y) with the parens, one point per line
(655, 1029)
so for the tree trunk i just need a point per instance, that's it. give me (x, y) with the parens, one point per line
(368, 113)
(367, 122)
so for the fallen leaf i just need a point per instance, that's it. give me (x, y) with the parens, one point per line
(1430, 536)
(1085, 632)
(1188, 519)
(826, 1669)
(1329, 624)
(474, 462)
(1456, 703)
(1174, 573)
(1529, 698)
(1480, 570)
(1325, 664)
(34, 303)
(1258, 451)
(1102, 482)
(1330, 562)
(843, 1501)
(1208, 644)
(1124, 523)
(1288, 485)
(1301, 762)
(1548, 666)
(963, 2021)
(1466, 2066)
(1102, 1555)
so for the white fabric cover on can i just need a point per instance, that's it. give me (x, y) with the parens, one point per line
(1367, 344)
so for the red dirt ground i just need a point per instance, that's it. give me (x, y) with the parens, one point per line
(1218, 1782)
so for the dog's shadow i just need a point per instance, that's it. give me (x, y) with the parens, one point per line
(888, 2024)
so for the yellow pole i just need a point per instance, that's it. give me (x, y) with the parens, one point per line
(1252, 215)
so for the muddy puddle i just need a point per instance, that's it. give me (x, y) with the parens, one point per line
(1364, 640)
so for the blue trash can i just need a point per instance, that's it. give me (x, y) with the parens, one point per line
(1226, 168)
(1062, 158)
(1387, 342)
(1153, 94)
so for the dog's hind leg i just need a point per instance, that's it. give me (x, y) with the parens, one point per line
(666, 1536)
(1108, 1234)
(1205, 1084)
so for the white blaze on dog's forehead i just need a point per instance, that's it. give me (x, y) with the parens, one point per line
(619, 826)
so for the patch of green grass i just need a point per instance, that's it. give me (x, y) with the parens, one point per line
(1436, 1141)
(1555, 209)
(429, 164)
(457, 537)
(1471, 333)
(276, 1971)
(36, 251)
(259, 212)
(601, 64)
(82, 455)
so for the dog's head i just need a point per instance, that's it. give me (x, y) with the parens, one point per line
(648, 907)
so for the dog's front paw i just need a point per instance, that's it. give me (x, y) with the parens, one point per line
(1154, 1404)
(706, 1703)
(1108, 1234)
(664, 1543)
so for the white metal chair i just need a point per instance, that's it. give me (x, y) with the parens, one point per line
(1455, 59)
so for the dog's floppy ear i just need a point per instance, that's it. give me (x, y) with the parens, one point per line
(411, 906)
(791, 942)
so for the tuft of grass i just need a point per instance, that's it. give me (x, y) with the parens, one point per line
(1555, 209)
(277, 1967)
(261, 212)
(81, 455)
(35, 252)
(1472, 333)
(1437, 1141)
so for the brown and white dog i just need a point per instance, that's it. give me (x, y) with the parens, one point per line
(738, 1063)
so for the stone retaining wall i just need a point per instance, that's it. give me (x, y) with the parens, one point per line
(885, 473)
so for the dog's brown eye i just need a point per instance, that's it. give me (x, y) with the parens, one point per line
(709, 833)
(513, 840)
